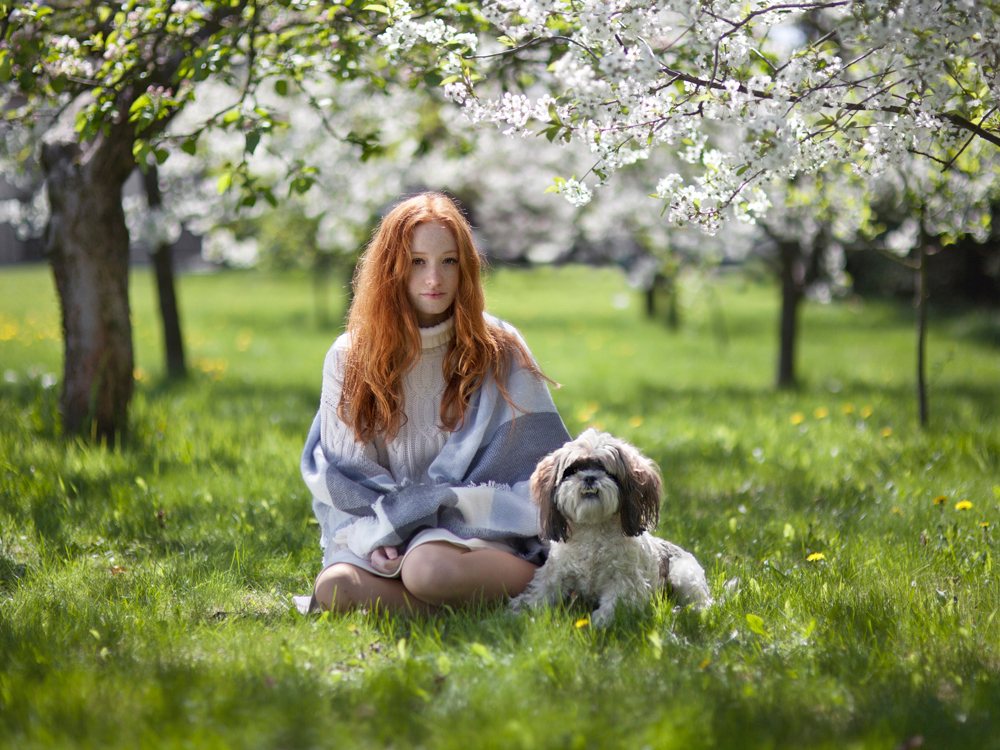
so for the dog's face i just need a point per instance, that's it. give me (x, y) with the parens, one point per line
(591, 479)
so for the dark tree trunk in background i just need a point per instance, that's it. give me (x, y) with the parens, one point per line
(669, 284)
(87, 244)
(163, 263)
(791, 296)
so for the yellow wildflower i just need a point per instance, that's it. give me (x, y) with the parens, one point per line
(866, 411)
(821, 412)
(798, 418)
(635, 421)
(940, 499)
(886, 431)
(582, 623)
(816, 557)
(848, 408)
(963, 505)
(984, 525)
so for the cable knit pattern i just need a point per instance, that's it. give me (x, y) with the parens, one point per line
(421, 437)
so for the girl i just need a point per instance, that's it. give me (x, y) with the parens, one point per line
(432, 417)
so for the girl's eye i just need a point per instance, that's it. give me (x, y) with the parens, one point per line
(418, 261)
(451, 261)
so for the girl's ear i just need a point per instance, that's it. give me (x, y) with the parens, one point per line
(543, 486)
(641, 487)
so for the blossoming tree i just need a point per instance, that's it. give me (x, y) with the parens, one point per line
(103, 79)
(808, 83)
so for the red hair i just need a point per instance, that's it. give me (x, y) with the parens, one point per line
(385, 337)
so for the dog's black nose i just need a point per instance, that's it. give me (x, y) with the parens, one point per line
(589, 481)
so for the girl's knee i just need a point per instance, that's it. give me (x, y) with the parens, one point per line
(431, 572)
(339, 587)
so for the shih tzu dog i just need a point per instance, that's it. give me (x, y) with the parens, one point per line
(599, 497)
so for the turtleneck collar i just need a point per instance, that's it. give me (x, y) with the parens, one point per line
(437, 335)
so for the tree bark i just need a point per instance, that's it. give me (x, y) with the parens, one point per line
(163, 263)
(791, 296)
(87, 244)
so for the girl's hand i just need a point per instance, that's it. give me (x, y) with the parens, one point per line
(386, 560)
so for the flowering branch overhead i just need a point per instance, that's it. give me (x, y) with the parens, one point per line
(746, 92)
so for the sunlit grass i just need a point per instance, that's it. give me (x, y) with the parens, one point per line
(144, 592)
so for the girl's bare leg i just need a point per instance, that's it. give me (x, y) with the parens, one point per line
(343, 586)
(441, 573)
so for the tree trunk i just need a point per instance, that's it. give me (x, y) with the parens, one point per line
(162, 257)
(791, 296)
(88, 247)
(920, 302)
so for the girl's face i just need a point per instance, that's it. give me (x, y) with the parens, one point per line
(433, 279)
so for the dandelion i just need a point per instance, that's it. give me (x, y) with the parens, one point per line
(897, 511)
(866, 411)
(821, 412)
(798, 418)
(940, 499)
(635, 421)
(984, 525)
(963, 505)
(8, 330)
(886, 431)
(848, 408)
(582, 623)
(140, 374)
(816, 557)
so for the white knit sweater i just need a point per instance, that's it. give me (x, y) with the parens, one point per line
(421, 437)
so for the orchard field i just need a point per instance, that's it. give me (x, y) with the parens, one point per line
(145, 592)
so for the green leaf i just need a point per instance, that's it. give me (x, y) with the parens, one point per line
(253, 138)
(450, 79)
(161, 155)
(377, 8)
(5, 72)
(225, 181)
(281, 87)
(231, 116)
(506, 41)
(190, 146)
(757, 625)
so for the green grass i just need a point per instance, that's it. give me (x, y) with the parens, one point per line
(145, 592)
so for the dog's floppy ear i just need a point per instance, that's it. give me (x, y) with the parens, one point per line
(543, 488)
(641, 489)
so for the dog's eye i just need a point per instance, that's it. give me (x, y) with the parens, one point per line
(583, 465)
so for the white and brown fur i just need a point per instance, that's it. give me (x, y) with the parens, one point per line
(599, 497)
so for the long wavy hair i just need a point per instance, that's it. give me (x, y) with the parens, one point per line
(385, 337)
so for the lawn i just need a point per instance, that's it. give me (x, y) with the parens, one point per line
(145, 591)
